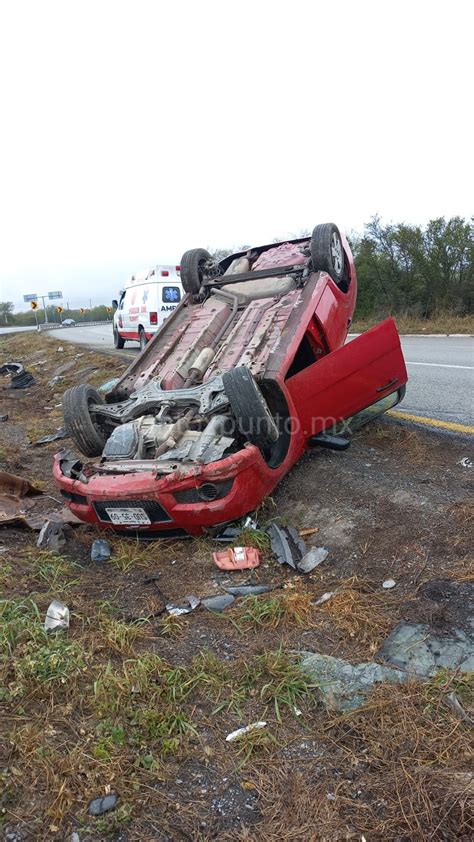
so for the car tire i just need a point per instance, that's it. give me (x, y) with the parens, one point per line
(118, 341)
(192, 263)
(251, 412)
(80, 423)
(327, 252)
(142, 338)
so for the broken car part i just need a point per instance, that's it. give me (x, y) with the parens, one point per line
(57, 616)
(286, 544)
(19, 377)
(51, 537)
(189, 604)
(218, 603)
(237, 558)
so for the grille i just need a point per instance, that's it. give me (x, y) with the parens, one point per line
(155, 512)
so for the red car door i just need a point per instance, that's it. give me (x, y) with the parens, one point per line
(348, 380)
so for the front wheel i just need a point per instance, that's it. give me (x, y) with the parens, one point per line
(118, 341)
(81, 422)
(192, 267)
(327, 252)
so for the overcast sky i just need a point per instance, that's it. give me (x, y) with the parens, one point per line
(132, 131)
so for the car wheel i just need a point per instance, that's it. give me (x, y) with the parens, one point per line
(80, 422)
(192, 264)
(253, 417)
(142, 339)
(327, 252)
(118, 341)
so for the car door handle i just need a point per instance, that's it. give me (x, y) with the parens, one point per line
(387, 384)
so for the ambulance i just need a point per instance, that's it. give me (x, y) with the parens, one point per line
(147, 300)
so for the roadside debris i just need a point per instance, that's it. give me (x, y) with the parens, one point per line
(55, 380)
(466, 462)
(107, 387)
(342, 685)
(247, 729)
(51, 537)
(324, 598)
(218, 603)
(61, 433)
(100, 550)
(312, 559)
(237, 558)
(249, 590)
(189, 604)
(57, 616)
(389, 584)
(304, 533)
(13, 505)
(19, 377)
(99, 806)
(4, 417)
(419, 650)
(453, 702)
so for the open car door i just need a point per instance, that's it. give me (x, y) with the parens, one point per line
(348, 380)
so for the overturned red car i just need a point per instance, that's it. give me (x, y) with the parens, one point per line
(250, 370)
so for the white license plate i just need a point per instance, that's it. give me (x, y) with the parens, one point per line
(126, 517)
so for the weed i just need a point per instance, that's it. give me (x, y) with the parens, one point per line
(254, 538)
(121, 636)
(52, 569)
(129, 554)
(172, 625)
(269, 612)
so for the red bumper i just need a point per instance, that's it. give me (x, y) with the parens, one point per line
(244, 476)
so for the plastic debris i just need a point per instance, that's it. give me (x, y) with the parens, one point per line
(250, 523)
(55, 380)
(229, 534)
(189, 604)
(312, 559)
(57, 616)
(99, 806)
(466, 462)
(51, 537)
(106, 387)
(389, 584)
(247, 729)
(237, 558)
(4, 417)
(100, 550)
(249, 590)
(218, 603)
(287, 546)
(324, 598)
(342, 685)
(61, 433)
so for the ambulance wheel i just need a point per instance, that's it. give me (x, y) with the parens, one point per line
(118, 341)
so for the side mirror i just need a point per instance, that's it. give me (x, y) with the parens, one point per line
(115, 303)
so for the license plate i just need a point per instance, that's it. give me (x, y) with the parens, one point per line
(126, 517)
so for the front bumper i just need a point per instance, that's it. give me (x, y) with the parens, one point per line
(244, 477)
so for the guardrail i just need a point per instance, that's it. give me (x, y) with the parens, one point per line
(55, 326)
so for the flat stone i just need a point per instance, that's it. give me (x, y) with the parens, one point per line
(342, 685)
(99, 806)
(416, 648)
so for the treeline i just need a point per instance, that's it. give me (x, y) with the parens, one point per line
(414, 270)
(26, 318)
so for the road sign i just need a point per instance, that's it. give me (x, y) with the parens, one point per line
(59, 309)
(32, 297)
(34, 305)
(57, 294)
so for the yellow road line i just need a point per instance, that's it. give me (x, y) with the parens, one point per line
(432, 422)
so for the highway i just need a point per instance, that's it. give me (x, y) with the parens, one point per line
(440, 369)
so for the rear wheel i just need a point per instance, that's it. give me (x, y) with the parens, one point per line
(142, 338)
(118, 341)
(327, 252)
(192, 265)
(82, 424)
(251, 412)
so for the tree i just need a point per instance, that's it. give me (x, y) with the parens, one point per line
(6, 309)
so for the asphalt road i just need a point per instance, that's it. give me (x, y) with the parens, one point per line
(440, 371)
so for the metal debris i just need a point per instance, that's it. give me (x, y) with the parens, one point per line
(100, 550)
(249, 590)
(99, 806)
(189, 604)
(57, 616)
(51, 537)
(247, 729)
(466, 462)
(218, 603)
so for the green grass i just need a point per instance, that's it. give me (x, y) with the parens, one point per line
(259, 612)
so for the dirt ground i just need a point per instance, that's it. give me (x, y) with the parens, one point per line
(133, 702)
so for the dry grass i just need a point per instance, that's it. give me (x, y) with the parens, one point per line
(442, 323)
(357, 612)
(289, 608)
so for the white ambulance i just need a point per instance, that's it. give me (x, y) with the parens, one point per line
(147, 300)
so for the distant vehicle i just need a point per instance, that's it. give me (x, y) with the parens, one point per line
(251, 369)
(147, 300)
(68, 323)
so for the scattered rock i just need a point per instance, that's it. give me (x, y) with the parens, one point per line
(389, 584)
(218, 603)
(342, 685)
(99, 806)
(417, 649)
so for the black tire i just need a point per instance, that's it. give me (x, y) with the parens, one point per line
(80, 423)
(118, 341)
(142, 338)
(253, 417)
(327, 252)
(192, 263)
